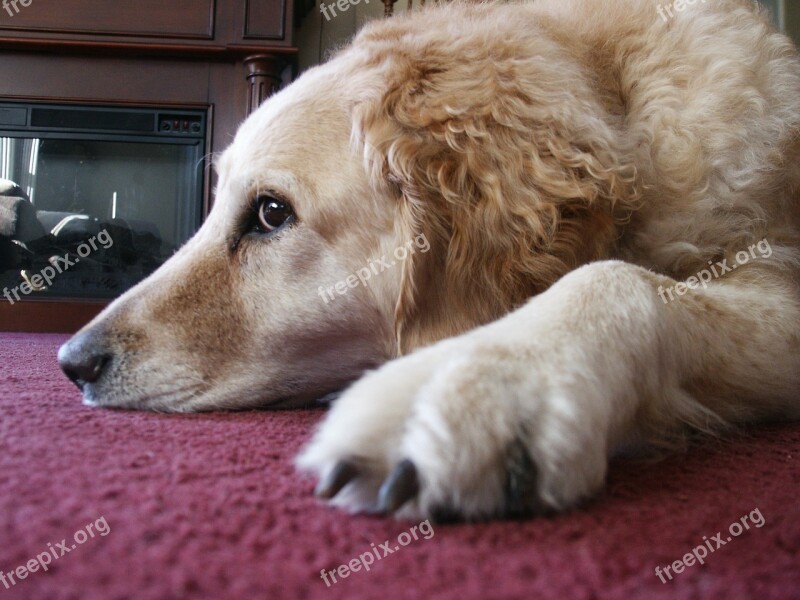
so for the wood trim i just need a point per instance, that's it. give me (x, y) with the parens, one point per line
(140, 49)
(208, 167)
(40, 20)
(256, 16)
(103, 102)
(45, 316)
(263, 77)
(245, 48)
(388, 7)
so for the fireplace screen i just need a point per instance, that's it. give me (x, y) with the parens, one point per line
(92, 200)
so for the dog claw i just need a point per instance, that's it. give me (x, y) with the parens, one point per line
(342, 474)
(400, 486)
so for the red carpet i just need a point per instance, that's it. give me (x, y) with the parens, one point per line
(209, 506)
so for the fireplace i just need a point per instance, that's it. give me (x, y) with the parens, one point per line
(109, 113)
(104, 195)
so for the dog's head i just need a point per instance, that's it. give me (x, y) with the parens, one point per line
(410, 189)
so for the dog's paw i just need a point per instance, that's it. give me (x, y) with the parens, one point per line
(467, 429)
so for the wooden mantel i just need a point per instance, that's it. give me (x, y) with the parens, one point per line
(256, 34)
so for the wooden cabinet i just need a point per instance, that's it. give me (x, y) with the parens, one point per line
(190, 19)
(223, 56)
(213, 24)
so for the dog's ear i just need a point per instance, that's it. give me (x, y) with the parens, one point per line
(515, 176)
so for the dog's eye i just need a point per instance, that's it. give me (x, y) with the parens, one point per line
(272, 213)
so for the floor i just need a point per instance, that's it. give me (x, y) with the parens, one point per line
(209, 506)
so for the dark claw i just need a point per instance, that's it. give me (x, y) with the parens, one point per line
(521, 492)
(400, 486)
(342, 474)
(445, 515)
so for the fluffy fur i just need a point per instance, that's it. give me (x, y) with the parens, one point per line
(568, 160)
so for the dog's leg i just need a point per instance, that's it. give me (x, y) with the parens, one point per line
(522, 414)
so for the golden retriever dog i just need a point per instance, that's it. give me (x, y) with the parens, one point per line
(535, 234)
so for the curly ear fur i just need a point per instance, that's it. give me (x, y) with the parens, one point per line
(508, 163)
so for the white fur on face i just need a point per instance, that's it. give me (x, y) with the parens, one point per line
(258, 308)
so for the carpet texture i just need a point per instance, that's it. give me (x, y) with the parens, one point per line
(210, 506)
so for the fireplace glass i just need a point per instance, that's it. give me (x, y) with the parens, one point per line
(94, 199)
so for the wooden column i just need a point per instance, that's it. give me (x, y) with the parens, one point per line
(388, 7)
(263, 78)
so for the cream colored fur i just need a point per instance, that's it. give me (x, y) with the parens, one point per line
(565, 159)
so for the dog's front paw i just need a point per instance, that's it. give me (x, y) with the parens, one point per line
(464, 429)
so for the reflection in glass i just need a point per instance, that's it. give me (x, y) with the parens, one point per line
(62, 193)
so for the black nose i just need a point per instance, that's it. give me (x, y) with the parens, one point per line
(84, 357)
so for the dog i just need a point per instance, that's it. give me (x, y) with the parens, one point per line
(609, 202)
